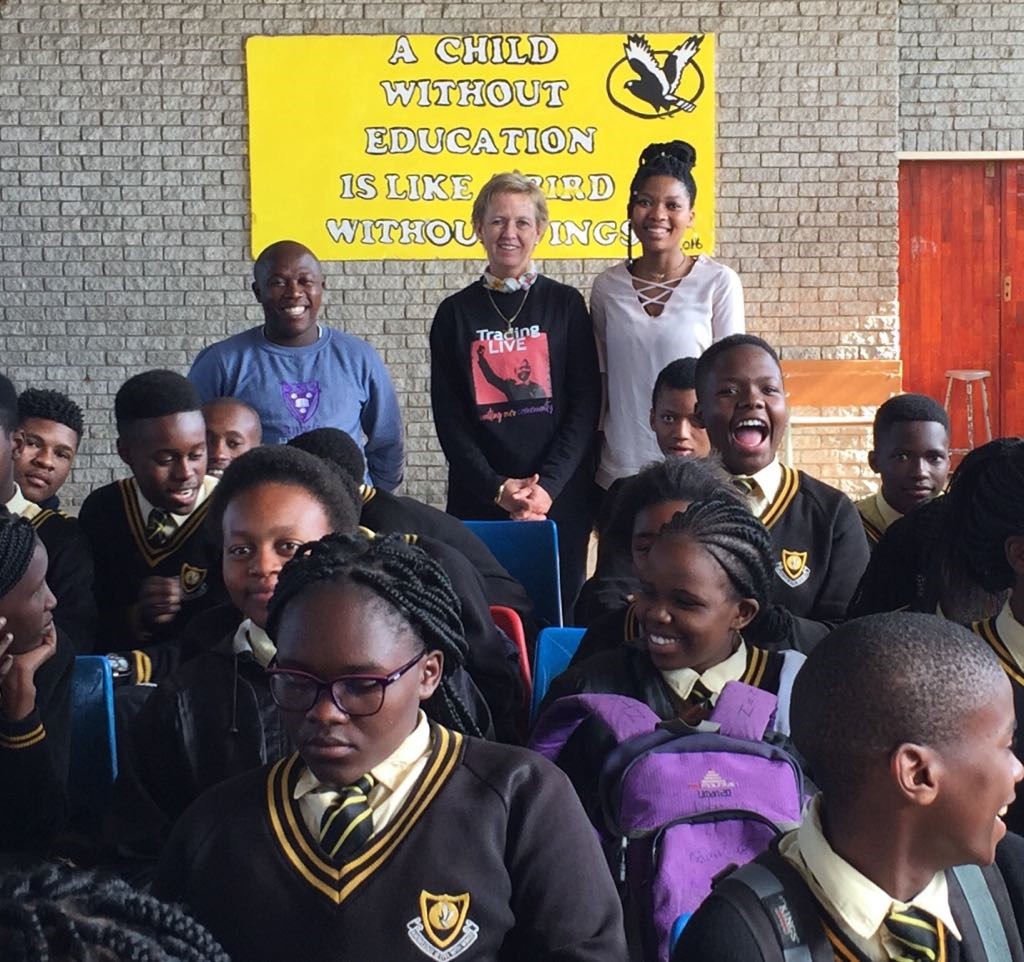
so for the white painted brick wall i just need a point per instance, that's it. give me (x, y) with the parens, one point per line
(124, 195)
(961, 82)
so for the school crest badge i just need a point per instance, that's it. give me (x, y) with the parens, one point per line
(443, 930)
(302, 399)
(793, 568)
(193, 580)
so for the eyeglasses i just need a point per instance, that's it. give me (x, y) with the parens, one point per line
(355, 695)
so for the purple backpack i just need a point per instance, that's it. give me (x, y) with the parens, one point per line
(674, 805)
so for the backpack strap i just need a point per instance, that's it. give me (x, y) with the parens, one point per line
(981, 904)
(743, 711)
(619, 716)
(784, 919)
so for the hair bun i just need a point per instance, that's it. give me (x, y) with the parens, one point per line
(679, 150)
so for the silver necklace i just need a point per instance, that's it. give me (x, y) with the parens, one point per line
(509, 321)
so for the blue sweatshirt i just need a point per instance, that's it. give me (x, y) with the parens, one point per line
(339, 381)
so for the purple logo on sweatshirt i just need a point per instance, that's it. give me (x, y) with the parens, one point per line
(301, 399)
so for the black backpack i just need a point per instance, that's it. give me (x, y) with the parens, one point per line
(784, 917)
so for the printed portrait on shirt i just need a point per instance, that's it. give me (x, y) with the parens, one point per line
(511, 373)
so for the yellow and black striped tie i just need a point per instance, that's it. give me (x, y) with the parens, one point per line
(744, 484)
(701, 696)
(160, 527)
(347, 824)
(915, 933)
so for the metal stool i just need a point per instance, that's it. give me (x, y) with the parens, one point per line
(969, 377)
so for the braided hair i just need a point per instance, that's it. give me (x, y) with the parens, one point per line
(674, 479)
(410, 581)
(673, 159)
(17, 544)
(734, 538)
(54, 913)
(986, 508)
(741, 544)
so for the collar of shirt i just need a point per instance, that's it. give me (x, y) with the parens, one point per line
(509, 285)
(855, 902)
(887, 511)
(263, 332)
(205, 489)
(682, 680)
(1012, 632)
(21, 507)
(768, 481)
(252, 639)
(394, 779)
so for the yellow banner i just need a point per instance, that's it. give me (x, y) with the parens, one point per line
(373, 147)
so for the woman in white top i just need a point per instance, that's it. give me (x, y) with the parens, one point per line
(661, 306)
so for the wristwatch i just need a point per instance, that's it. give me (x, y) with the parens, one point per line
(120, 667)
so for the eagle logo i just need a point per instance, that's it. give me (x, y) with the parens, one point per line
(653, 87)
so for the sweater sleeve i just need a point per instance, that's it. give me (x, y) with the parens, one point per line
(581, 401)
(452, 409)
(727, 312)
(563, 896)
(848, 558)
(33, 795)
(69, 573)
(381, 420)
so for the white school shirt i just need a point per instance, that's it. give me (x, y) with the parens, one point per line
(633, 347)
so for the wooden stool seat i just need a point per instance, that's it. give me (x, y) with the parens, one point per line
(968, 377)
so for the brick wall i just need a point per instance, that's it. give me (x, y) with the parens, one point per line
(961, 83)
(123, 188)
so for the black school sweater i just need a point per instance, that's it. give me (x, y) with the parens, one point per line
(211, 719)
(113, 524)
(717, 930)
(548, 430)
(494, 831)
(69, 573)
(820, 550)
(34, 755)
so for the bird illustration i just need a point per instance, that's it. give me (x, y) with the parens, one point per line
(657, 84)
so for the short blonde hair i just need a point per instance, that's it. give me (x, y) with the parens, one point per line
(510, 183)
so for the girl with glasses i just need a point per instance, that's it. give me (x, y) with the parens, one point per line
(386, 834)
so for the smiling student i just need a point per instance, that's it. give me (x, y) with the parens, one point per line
(232, 428)
(156, 566)
(916, 769)
(819, 544)
(665, 304)
(706, 577)
(213, 717)
(299, 374)
(386, 835)
(911, 453)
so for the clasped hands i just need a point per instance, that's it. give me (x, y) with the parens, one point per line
(524, 499)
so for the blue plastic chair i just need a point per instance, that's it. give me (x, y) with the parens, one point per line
(528, 550)
(555, 648)
(93, 766)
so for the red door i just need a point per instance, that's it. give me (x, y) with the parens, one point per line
(961, 297)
